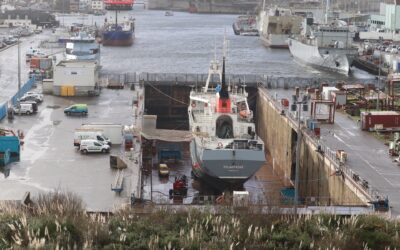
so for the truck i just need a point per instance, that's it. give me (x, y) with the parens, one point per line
(111, 130)
(86, 134)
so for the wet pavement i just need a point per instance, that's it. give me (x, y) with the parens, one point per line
(49, 161)
(367, 156)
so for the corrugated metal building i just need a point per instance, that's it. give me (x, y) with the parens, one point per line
(76, 78)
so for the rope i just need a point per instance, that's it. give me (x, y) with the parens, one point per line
(172, 98)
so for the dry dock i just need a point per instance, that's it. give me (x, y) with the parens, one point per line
(368, 161)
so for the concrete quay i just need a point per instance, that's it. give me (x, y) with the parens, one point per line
(368, 161)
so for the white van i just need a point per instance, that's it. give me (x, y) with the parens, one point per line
(82, 134)
(92, 146)
(23, 108)
(112, 131)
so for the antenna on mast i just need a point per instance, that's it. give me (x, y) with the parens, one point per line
(224, 94)
(215, 49)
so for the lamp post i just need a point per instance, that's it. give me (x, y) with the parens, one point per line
(298, 105)
(19, 65)
(379, 82)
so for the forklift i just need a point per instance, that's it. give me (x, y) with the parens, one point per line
(179, 187)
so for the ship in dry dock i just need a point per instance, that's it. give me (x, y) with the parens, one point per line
(225, 150)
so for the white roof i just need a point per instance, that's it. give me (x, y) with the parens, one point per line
(381, 113)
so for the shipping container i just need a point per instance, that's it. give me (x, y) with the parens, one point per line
(35, 63)
(380, 120)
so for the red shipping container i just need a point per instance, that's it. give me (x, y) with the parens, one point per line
(35, 63)
(380, 120)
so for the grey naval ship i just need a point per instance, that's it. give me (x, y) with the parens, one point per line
(225, 151)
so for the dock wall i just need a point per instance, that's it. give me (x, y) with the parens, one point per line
(318, 182)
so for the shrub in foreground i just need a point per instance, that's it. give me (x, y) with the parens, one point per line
(59, 221)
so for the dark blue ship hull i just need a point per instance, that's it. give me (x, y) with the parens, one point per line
(117, 38)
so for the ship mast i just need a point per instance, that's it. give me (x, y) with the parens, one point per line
(224, 94)
(214, 69)
(326, 11)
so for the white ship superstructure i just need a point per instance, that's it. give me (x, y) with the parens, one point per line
(82, 47)
(277, 25)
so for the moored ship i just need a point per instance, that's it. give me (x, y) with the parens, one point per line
(83, 46)
(119, 34)
(277, 26)
(327, 47)
(225, 151)
(331, 59)
(245, 26)
(118, 4)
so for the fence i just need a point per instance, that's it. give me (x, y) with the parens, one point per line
(352, 176)
(25, 88)
(252, 80)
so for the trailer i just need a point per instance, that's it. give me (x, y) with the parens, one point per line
(380, 121)
(111, 130)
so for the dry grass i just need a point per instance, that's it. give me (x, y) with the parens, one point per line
(58, 221)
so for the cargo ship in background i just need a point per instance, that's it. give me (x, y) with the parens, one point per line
(225, 151)
(117, 34)
(118, 4)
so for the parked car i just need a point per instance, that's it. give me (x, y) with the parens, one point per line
(2, 45)
(93, 146)
(31, 98)
(394, 50)
(37, 95)
(11, 40)
(23, 109)
(80, 109)
(163, 170)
